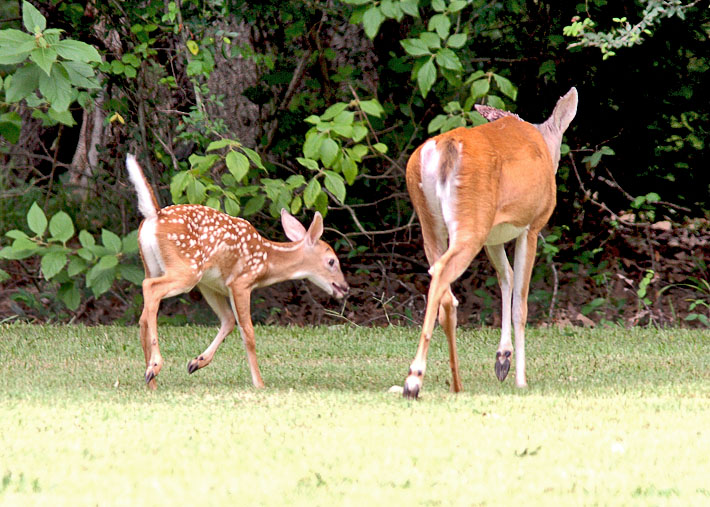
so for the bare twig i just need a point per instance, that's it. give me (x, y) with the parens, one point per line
(601, 205)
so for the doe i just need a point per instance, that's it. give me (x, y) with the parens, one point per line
(476, 188)
(187, 246)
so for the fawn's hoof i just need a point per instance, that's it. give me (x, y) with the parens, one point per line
(413, 385)
(194, 365)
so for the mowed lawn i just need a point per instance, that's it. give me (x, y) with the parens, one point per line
(612, 416)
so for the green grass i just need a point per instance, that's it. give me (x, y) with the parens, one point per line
(612, 416)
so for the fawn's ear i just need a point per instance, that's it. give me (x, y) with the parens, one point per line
(292, 227)
(316, 229)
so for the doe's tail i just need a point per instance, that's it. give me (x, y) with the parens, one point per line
(147, 203)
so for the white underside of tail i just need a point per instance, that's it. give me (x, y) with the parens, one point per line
(440, 197)
(145, 201)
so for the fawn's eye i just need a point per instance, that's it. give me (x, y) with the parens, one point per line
(331, 262)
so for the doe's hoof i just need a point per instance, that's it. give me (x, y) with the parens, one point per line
(502, 364)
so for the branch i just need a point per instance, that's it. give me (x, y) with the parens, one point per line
(601, 205)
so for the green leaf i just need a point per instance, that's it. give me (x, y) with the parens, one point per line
(448, 59)
(328, 152)
(111, 240)
(344, 118)
(107, 262)
(457, 40)
(311, 147)
(52, 263)
(441, 23)
(76, 266)
(308, 163)
(65, 117)
(495, 101)
(231, 207)
(476, 75)
(4, 276)
(506, 87)
(61, 227)
(371, 20)
(194, 68)
(238, 164)
(130, 242)
(21, 249)
(86, 239)
(349, 169)
(430, 40)
(131, 272)
(24, 81)
(438, 5)
(222, 143)
(77, 51)
(56, 88)
(69, 295)
(81, 75)
(453, 122)
(16, 233)
(44, 58)
(415, 47)
(254, 157)
(381, 147)
(426, 77)
(295, 180)
(321, 203)
(179, 183)
(333, 111)
(15, 46)
(36, 219)
(410, 7)
(131, 59)
(32, 19)
(359, 133)
(436, 123)
(457, 5)
(372, 107)
(86, 253)
(343, 130)
(196, 191)
(296, 205)
(479, 88)
(652, 197)
(335, 185)
(201, 164)
(10, 126)
(100, 279)
(548, 67)
(311, 192)
(214, 203)
(358, 151)
(254, 205)
(10, 37)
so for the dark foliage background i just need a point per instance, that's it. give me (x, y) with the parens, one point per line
(628, 242)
